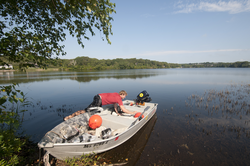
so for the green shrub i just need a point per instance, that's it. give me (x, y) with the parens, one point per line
(10, 120)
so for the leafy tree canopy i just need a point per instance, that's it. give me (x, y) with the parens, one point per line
(30, 30)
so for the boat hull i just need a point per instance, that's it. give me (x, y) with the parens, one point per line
(70, 150)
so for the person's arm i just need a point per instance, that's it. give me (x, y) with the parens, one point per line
(127, 111)
(115, 107)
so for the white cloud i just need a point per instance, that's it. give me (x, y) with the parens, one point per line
(189, 52)
(230, 6)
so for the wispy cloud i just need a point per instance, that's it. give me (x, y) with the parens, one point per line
(230, 6)
(189, 52)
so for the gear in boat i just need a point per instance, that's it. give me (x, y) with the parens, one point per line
(88, 126)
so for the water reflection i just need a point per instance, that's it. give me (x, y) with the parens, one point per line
(129, 152)
(6, 75)
(25, 77)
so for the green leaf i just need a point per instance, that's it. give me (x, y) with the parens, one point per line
(21, 100)
(11, 100)
(2, 100)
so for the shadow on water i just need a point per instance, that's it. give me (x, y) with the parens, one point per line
(130, 151)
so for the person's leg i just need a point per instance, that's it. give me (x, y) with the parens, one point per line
(97, 102)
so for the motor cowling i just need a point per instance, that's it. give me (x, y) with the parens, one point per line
(143, 97)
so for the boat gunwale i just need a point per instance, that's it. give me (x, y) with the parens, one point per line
(111, 138)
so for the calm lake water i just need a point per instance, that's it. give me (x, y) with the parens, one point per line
(203, 116)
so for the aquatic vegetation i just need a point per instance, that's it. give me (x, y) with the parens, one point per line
(227, 108)
(185, 145)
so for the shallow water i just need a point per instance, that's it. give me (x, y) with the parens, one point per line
(202, 116)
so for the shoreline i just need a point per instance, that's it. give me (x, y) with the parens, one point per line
(57, 69)
(49, 69)
(6, 70)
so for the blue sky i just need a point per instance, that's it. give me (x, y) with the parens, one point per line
(186, 31)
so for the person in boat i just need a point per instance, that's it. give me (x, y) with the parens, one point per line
(106, 99)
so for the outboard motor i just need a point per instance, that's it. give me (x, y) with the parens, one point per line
(143, 97)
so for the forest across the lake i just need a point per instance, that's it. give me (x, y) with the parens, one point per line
(86, 63)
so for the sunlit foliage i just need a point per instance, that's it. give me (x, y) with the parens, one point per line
(31, 31)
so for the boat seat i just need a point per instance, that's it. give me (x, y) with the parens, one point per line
(111, 120)
(116, 122)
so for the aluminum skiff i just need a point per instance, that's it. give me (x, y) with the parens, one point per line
(73, 138)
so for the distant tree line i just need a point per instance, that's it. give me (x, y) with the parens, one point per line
(88, 64)
(244, 64)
